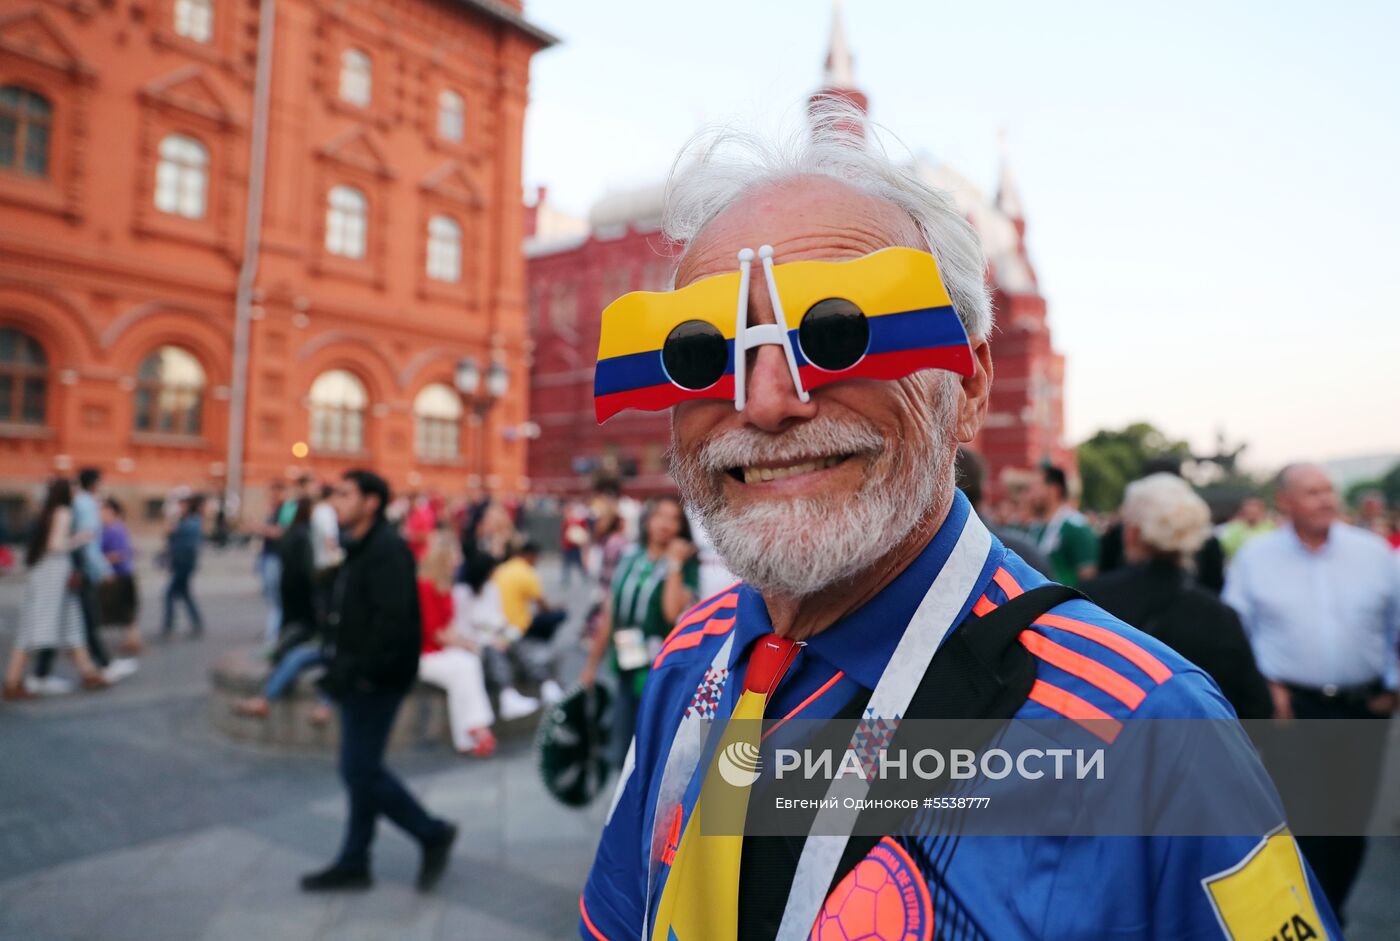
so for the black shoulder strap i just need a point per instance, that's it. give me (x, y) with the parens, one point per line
(980, 672)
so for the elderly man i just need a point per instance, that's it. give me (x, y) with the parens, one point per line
(1321, 603)
(829, 489)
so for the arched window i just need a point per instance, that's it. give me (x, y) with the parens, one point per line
(452, 115)
(182, 176)
(338, 403)
(437, 417)
(444, 249)
(355, 77)
(26, 118)
(170, 393)
(347, 222)
(24, 378)
(194, 19)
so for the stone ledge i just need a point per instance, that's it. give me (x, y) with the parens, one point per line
(421, 722)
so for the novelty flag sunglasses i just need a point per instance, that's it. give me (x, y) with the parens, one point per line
(882, 316)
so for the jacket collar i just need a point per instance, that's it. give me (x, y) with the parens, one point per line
(861, 643)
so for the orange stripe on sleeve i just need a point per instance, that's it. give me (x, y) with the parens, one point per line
(1007, 583)
(684, 642)
(1115, 642)
(588, 922)
(983, 606)
(726, 599)
(1115, 684)
(1086, 714)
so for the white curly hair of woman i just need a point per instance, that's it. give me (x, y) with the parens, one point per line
(1171, 520)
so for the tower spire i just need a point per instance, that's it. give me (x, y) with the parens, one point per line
(839, 77)
(1008, 194)
(840, 73)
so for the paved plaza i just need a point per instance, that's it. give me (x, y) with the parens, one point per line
(124, 817)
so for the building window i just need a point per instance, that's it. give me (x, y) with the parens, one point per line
(24, 378)
(194, 19)
(437, 416)
(338, 403)
(452, 115)
(444, 250)
(347, 222)
(355, 77)
(26, 118)
(170, 393)
(182, 177)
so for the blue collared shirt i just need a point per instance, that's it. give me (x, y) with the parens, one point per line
(1321, 617)
(87, 517)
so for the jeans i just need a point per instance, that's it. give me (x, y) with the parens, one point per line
(626, 706)
(573, 562)
(297, 661)
(179, 590)
(270, 573)
(365, 722)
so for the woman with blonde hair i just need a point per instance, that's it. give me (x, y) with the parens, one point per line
(1164, 524)
(449, 659)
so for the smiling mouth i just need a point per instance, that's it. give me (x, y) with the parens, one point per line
(765, 473)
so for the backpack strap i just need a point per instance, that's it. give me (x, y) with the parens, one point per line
(980, 672)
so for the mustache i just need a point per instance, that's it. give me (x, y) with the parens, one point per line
(823, 436)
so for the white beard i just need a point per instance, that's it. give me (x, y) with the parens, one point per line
(797, 547)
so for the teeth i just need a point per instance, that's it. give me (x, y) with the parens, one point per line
(764, 474)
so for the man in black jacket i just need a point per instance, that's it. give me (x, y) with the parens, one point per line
(374, 636)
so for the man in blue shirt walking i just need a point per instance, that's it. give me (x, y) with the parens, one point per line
(1320, 601)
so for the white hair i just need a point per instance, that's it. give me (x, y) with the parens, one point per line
(723, 163)
(1171, 518)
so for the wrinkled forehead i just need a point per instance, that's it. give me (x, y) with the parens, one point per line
(805, 218)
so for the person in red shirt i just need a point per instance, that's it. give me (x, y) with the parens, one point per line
(418, 525)
(449, 659)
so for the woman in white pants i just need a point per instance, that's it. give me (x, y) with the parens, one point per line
(449, 658)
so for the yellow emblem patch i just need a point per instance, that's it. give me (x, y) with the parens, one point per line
(1265, 896)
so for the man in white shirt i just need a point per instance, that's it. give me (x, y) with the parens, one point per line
(1321, 602)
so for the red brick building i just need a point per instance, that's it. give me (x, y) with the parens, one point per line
(239, 238)
(572, 278)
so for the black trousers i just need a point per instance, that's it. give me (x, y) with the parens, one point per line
(92, 633)
(365, 722)
(1336, 860)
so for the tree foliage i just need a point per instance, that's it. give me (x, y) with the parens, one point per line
(1388, 484)
(1110, 460)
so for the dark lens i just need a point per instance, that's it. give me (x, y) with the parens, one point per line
(695, 355)
(834, 334)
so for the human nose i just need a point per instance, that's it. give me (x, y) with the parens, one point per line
(773, 401)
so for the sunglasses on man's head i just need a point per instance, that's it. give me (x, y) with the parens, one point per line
(882, 316)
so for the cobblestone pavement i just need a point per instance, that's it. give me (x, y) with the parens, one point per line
(124, 817)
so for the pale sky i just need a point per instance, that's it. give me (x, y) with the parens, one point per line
(1211, 189)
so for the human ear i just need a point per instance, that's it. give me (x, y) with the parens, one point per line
(976, 391)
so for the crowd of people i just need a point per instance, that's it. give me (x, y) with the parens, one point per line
(80, 579)
(1293, 610)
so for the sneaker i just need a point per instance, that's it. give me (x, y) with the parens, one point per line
(551, 692)
(435, 858)
(120, 669)
(48, 685)
(515, 705)
(337, 878)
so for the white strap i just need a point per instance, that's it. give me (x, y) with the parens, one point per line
(936, 615)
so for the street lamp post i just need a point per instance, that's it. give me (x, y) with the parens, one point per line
(469, 383)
